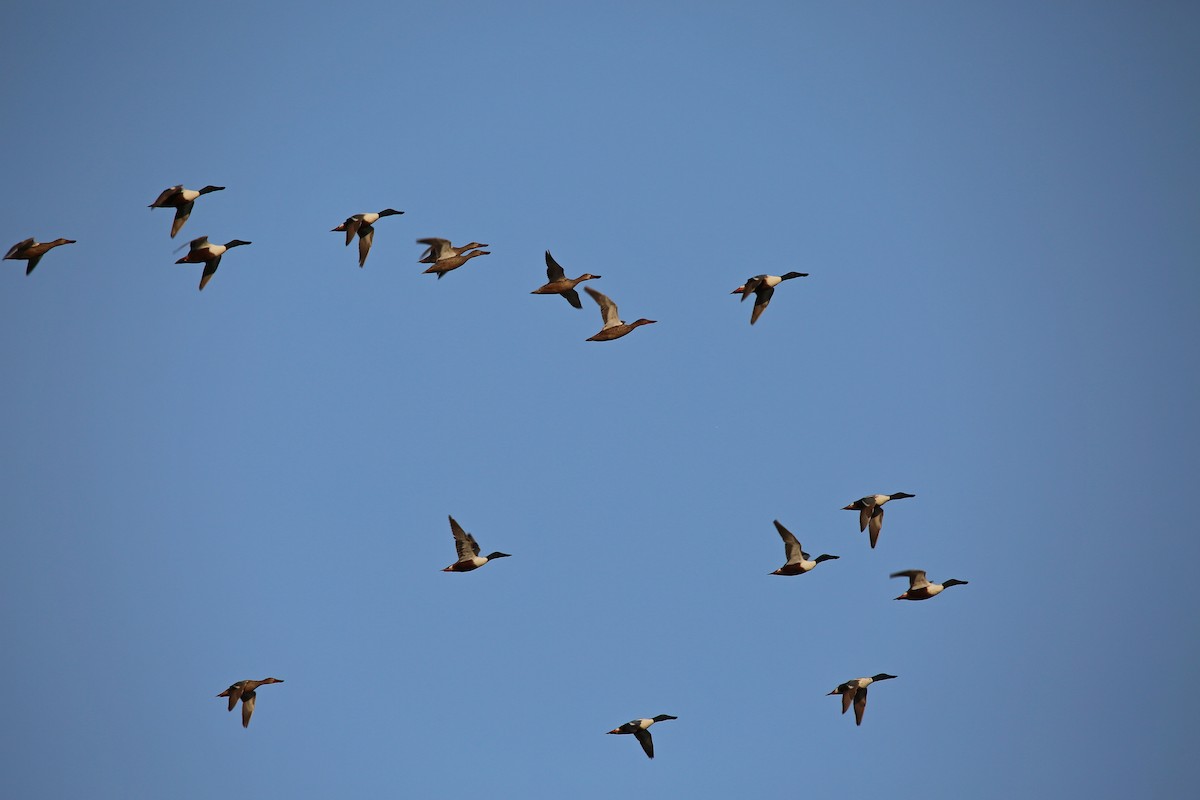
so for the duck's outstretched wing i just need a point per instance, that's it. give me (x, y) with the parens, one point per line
(608, 309)
(464, 542)
(643, 737)
(181, 216)
(247, 708)
(876, 524)
(762, 299)
(366, 236)
(554, 272)
(791, 545)
(210, 269)
(860, 705)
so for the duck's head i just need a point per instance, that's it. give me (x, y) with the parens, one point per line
(389, 212)
(587, 276)
(63, 241)
(664, 718)
(791, 275)
(739, 289)
(498, 555)
(235, 243)
(208, 189)
(643, 321)
(272, 680)
(954, 582)
(900, 495)
(883, 676)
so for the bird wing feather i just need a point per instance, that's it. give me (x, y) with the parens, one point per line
(554, 272)
(791, 545)
(643, 736)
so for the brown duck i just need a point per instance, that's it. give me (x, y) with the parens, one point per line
(441, 248)
(613, 328)
(31, 251)
(444, 265)
(559, 283)
(244, 691)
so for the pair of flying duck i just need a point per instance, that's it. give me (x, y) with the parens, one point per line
(200, 250)
(557, 282)
(800, 562)
(444, 257)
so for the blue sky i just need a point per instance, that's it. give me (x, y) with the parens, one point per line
(997, 205)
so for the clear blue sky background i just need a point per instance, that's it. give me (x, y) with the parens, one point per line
(998, 205)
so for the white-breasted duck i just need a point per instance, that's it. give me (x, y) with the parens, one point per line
(205, 252)
(763, 286)
(468, 551)
(364, 226)
(444, 265)
(919, 587)
(870, 511)
(31, 251)
(181, 200)
(854, 692)
(641, 729)
(798, 561)
(613, 328)
(441, 248)
(559, 283)
(245, 691)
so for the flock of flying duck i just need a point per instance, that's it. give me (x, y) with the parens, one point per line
(443, 257)
(853, 691)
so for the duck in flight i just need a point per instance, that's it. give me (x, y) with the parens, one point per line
(451, 263)
(181, 200)
(762, 287)
(855, 691)
(641, 729)
(798, 561)
(559, 283)
(364, 226)
(31, 251)
(613, 328)
(245, 691)
(919, 587)
(441, 248)
(468, 551)
(870, 512)
(209, 254)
